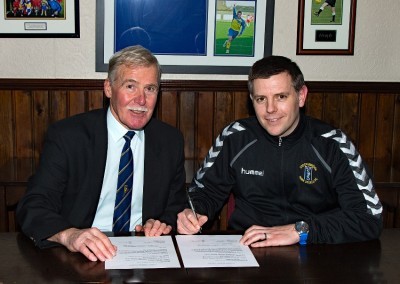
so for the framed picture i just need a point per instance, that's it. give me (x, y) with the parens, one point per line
(326, 27)
(39, 18)
(187, 37)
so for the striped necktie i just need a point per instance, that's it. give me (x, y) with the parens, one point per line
(122, 209)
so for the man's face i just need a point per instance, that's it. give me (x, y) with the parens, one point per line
(239, 15)
(133, 95)
(277, 105)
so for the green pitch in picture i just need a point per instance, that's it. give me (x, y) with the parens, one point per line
(328, 12)
(234, 28)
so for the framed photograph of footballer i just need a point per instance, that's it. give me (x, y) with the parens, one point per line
(39, 18)
(187, 37)
(326, 27)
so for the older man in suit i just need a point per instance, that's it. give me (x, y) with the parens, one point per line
(71, 199)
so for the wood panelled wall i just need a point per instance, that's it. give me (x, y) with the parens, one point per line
(368, 112)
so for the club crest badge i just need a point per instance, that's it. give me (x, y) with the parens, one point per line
(308, 173)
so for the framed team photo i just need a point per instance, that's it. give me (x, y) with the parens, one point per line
(39, 18)
(190, 37)
(326, 27)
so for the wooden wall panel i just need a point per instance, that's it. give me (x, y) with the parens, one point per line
(58, 104)
(315, 105)
(7, 133)
(40, 121)
(205, 117)
(242, 105)
(3, 210)
(365, 111)
(23, 135)
(349, 115)
(187, 101)
(384, 137)
(23, 124)
(95, 99)
(366, 129)
(77, 102)
(223, 111)
(167, 110)
(368, 112)
(204, 127)
(395, 167)
(332, 109)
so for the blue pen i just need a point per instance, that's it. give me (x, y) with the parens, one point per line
(192, 206)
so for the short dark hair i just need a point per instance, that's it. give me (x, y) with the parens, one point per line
(274, 65)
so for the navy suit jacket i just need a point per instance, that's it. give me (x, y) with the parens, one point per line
(65, 190)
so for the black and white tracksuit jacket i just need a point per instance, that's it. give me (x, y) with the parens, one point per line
(315, 174)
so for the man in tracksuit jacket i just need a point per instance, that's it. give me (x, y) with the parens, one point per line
(294, 178)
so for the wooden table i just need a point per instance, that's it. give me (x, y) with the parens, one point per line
(375, 261)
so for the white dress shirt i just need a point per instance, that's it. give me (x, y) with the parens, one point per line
(105, 209)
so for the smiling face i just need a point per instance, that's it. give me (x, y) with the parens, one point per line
(276, 103)
(133, 95)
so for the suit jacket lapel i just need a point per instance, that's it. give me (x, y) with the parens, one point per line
(150, 167)
(98, 148)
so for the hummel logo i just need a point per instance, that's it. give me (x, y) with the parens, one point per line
(252, 172)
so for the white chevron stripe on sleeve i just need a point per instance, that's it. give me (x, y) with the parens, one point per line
(215, 150)
(358, 168)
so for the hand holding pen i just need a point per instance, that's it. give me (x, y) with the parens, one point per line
(192, 208)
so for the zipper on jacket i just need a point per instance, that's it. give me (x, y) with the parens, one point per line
(282, 178)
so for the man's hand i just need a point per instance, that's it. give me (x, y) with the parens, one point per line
(154, 228)
(258, 236)
(90, 242)
(188, 224)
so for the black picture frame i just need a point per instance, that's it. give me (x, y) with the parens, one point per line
(267, 16)
(40, 26)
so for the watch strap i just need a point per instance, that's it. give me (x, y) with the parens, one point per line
(303, 238)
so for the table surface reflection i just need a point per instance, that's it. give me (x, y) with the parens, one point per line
(375, 261)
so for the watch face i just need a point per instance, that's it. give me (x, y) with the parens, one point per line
(301, 227)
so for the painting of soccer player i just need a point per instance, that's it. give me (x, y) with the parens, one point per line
(329, 12)
(234, 32)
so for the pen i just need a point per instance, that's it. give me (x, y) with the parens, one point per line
(192, 206)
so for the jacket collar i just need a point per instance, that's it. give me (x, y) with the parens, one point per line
(293, 137)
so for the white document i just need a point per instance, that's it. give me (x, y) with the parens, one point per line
(143, 252)
(214, 251)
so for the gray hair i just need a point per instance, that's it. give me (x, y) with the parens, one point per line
(132, 56)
